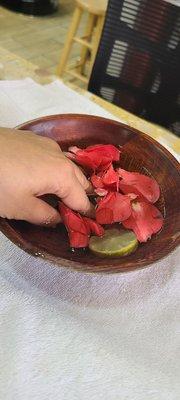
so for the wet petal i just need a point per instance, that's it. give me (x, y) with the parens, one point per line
(94, 227)
(96, 157)
(108, 179)
(109, 149)
(142, 185)
(101, 192)
(97, 181)
(78, 240)
(79, 228)
(145, 220)
(111, 178)
(104, 216)
(114, 207)
(132, 196)
(73, 220)
(76, 227)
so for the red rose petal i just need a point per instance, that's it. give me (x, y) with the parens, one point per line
(76, 227)
(108, 179)
(108, 149)
(142, 185)
(104, 216)
(140, 216)
(145, 220)
(97, 181)
(111, 178)
(94, 227)
(114, 207)
(78, 240)
(132, 196)
(79, 228)
(96, 157)
(101, 192)
(73, 220)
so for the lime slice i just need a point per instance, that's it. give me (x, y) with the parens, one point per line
(114, 243)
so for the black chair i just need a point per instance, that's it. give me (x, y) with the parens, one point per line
(138, 61)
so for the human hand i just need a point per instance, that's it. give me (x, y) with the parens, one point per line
(32, 166)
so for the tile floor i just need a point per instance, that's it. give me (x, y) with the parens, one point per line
(37, 39)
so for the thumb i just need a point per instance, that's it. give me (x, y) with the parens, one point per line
(40, 213)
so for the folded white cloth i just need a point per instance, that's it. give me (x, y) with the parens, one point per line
(73, 336)
(24, 100)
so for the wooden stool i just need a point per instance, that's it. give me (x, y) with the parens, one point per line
(89, 42)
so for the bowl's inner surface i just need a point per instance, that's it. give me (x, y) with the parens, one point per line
(138, 154)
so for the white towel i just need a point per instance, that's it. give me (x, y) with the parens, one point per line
(24, 100)
(73, 336)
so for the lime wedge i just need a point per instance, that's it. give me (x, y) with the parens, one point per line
(114, 243)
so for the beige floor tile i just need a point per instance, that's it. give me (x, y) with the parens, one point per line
(39, 40)
(10, 44)
(42, 61)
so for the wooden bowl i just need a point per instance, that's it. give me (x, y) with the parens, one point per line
(140, 153)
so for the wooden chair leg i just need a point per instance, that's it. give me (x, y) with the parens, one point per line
(67, 48)
(88, 34)
(96, 39)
